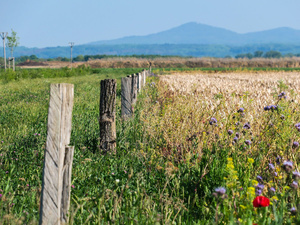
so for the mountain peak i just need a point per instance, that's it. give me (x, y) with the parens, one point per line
(197, 33)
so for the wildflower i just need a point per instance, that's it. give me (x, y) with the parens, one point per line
(259, 178)
(295, 144)
(235, 139)
(294, 185)
(250, 160)
(248, 142)
(267, 108)
(274, 198)
(117, 180)
(282, 117)
(278, 159)
(287, 166)
(259, 189)
(230, 132)
(237, 123)
(261, 201)
(73, 186)
(0, 195)
(296, 175)
(247, 125)
(271, 167)
(273, 107)
(237, 134)
(213, 120)
(240, 110)
(282, 95)
(220, 192)
(272, 189)
(293, 211)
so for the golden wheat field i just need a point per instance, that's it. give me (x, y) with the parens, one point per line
(187, 103)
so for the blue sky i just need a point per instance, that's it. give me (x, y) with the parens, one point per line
(47, 23)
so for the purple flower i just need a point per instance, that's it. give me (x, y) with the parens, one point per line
(282, 95)
(247, 125)
(230, 132)
(235, 139)
(248, 142)
(237, 134)
(259, 178)
(287, 166)
(258, 192)
(272, 189)
(259, 189)
(275, 174)
(0, 195)
(213, 120)
(295, 144)
(271, 167)
(220, 190)
(296, 175)
(240, 110)
(73, 186)
(267, 108)
(293, 211)
(294, 185)
(260, 186)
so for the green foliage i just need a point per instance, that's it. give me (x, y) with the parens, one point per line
(12, 41)
(272, 54)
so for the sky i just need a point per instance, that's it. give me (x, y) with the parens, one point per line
(51, 23)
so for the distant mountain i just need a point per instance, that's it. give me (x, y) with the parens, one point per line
(190, 39)
(195, 33)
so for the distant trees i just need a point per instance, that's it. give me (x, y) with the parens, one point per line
(258, 54)
(273, 54)
(269, 54)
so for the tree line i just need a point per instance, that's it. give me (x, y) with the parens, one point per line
(269, 54)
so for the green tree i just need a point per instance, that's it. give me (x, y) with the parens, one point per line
(258, 54)
(273, 54)
(12, 42)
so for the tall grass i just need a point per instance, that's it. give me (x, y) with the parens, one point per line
(171, 156)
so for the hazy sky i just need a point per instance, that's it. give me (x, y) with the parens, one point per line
(47, 23)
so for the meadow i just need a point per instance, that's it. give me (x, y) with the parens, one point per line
(199, 149)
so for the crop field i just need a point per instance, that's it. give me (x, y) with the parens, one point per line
(202, 148)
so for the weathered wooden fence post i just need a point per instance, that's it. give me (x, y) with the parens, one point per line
(139, 81)
(56, 187)
(126, 106)
(107, 119)
(144, 78)
(134, 88)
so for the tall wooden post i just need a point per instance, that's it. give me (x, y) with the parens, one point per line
(139, 81)
(126, 106)
(134, 88)
(107, 119)
(58, 159)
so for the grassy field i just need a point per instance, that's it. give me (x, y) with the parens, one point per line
(198, 151)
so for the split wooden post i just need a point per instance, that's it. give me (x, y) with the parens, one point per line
(56, 187)
(144, 78)
(107, 119)
(126, 106)
(139, 81)
(134, 88)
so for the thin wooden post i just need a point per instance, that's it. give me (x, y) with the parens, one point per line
(55, 197)
(134, 89)
(139, 81)
(107, 119)
(144, 78)
(126, 106)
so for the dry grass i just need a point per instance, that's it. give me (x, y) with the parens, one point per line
(175, 62)
(188, 102)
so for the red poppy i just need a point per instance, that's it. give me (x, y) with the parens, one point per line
(261, 201)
